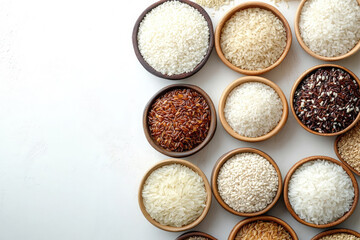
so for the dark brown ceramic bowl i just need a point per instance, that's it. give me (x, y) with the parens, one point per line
(187, 235)
(177, 76)
(215, 173)
(207, 188)
(212, 128)
(286, 189)
(300, 79)
(335, 231)
(242, 223)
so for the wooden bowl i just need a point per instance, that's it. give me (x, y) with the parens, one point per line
(242, 7)
(242, 223)
(187, 235)
(240, 81)
(301, 78)
(215, 173)
(207, 188)
(334, 231)
(212, 128)
(175, 76)
(340, 157)
(307, 49)
(286, 188)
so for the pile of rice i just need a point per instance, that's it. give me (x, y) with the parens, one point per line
(262, 230)
(253, 109)
(320, 192)
(340, 236)
(173, 38)
(253, 39)
(330, 28)
(174, 195)
(349, 147)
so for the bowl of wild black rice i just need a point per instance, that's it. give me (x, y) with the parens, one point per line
(325, 100)
(179, 120)
(195, 235)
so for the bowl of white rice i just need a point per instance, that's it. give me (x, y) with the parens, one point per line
(328, 30)
(253, 109)
(246, 182)
(320, 192)
(173, 39)
(253, 38)
(174, 195)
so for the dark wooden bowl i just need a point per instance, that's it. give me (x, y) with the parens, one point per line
(286, 189)
(176, 76)
(334, 231)
(240, 81)
(243, 6)
(207, 188)
(212, 128)
(341, 159)
(242, 223)
(307, 49)
(300, 79)
(195, 234)
(215, 173)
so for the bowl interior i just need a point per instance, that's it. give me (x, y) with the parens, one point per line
(297, 83)
(308, 50)
(207, 139)
(207, 188)
(334, 231)
(242, 223)
(215, 172)
(286, 188)
(176, 76)
(340, 157)
(242, 7)
(187, 235)
(240, 81)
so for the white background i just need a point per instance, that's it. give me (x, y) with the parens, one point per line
(72, 148)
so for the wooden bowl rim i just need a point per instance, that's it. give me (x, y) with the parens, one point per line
(301, 78)
(240, 7)
(186, 235)
(195, 169)
(334, 231)
(340, 157)
(246, 79)
(212, 128)
(286, 188)
(279, 221)
(176, 76)
(215, 172)
(308, 50)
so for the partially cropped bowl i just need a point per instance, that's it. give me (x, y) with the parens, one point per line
(308, 50)
(207, 189)
(176, 76)
(290, 208)
(194, 234)
(241, 7)
(252, 79)
(299, 81)
(215, 174)
(211, 130)
(335, 231)
(246, 221)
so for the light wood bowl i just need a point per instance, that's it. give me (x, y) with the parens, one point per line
(207, 188)
(176, 76)
(240, 81)
(340, 157)
(212, 128)
(307, 49)
(286, 189)
(187, 235)
(242, 223)
(301, 78)
(215, 173)
(334, 231)
(242, 7)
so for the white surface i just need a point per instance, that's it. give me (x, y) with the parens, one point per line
(72, 148)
